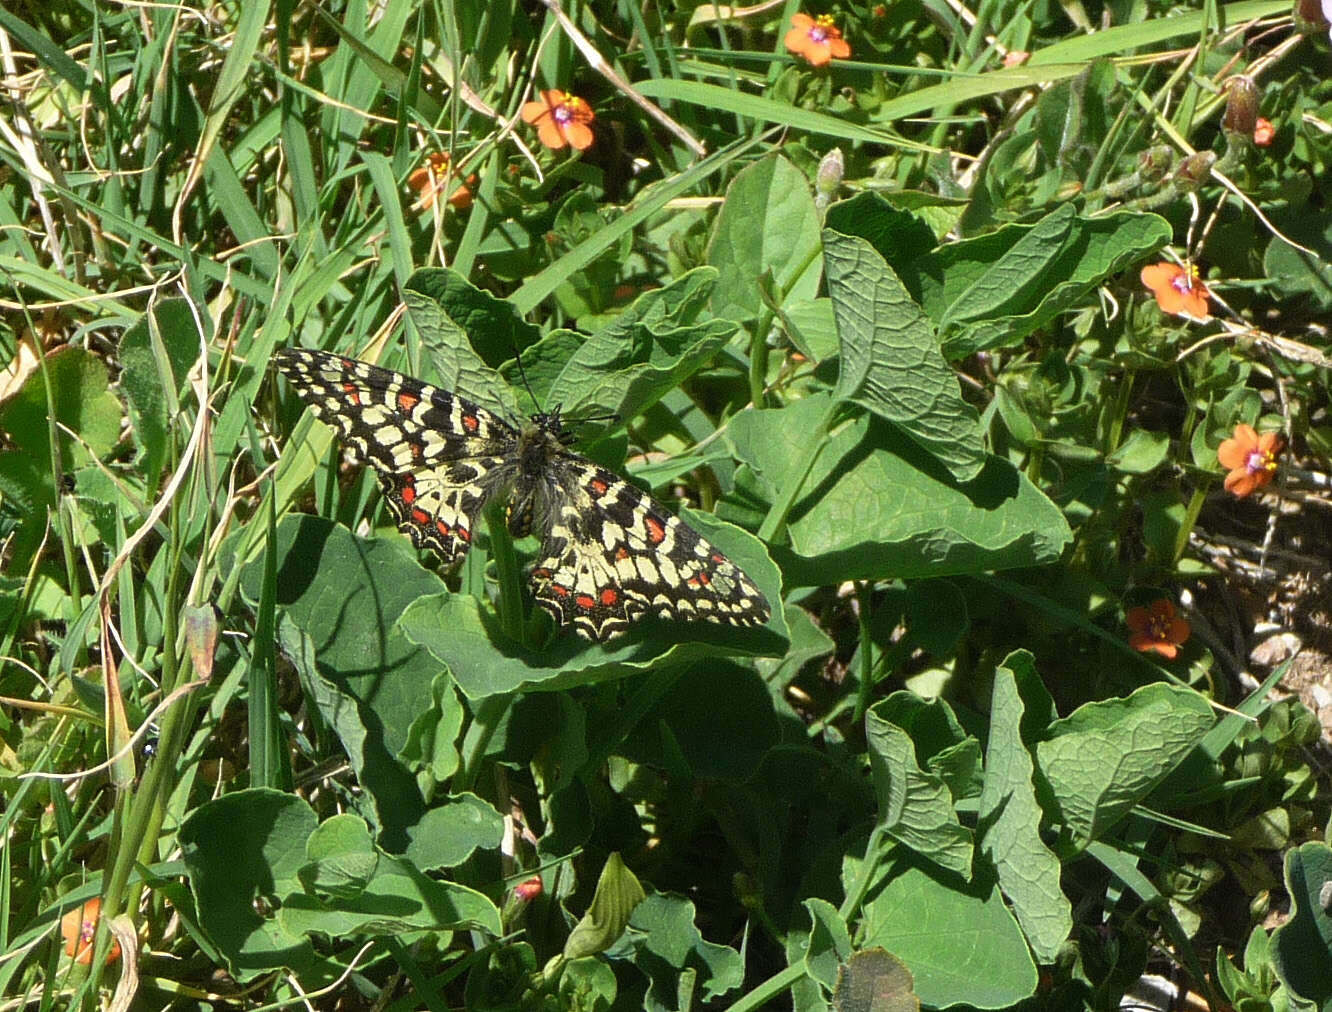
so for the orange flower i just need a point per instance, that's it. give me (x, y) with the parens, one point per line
(1177, 291)
(560, 119)
(78, 928)
(431, 179)
(1263, 132)
(1251, 459)
(1157, 627)
(818, 40)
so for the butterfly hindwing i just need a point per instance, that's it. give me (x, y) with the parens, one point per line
(612, 554)
(609, 554)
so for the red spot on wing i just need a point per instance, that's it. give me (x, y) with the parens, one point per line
(656, 530)
(541, 573)
(470, 422)
(559, 591)
(597, 486)
(621, 554)
(353, 394)
(704, 578)
(408, 492)
(718, 558)
(585, 601)
(464, 533)
(443, 528)
(421, 516)
(417, 448)
(610, 596)
(407, 401)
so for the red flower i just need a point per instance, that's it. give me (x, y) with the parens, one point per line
(78, 928)
(1251, 459)
(560, 119)
(1157, 627)
(431, 179)
(818, 40)
(1177, 291)
(1263, 132)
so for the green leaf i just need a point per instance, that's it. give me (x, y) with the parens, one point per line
(431, 746)
(960, 944)
(449, 834)
(680, 958)
(80, 401)
(618, 893)
(1294, 272)
(468, 333)
(915, 807)
(829, 944)
(1302, 947)
(340, 858)
(1106, 756)
(1028, 870)
(338, 596)
(767, 226)
(1142, 452)
(397, 898)
(876, 506)
(243, 853)
(155, 359)
(890, 361)
(645, 352)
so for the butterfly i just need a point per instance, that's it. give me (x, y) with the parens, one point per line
(609, 554)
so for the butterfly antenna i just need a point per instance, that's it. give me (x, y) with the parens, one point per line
(518, 357)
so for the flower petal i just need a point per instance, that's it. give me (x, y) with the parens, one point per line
(1138, 620)
(533, 111)
(550, 134)
(579, 135)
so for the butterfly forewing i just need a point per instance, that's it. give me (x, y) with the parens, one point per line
(609, 553)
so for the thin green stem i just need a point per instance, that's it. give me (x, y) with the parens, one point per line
(864, 596)
(1190, 518)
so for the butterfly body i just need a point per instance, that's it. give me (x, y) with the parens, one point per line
(609, 553)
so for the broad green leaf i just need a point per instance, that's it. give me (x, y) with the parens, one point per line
(338, 597)
(1142, 452)
(1106, 756)
(243, 853)
(468, 333)
(1018, 278)
(340, 857)
(1069, 258)
(889, 357)
(1028, 870)
(646, 351)
(767, 226)
(80, 401)
(915, 807)
(618, 893)
(397, 898)
(876, 506)
(448, 834)
(431, 746)
(1302, 947)
(663, 927)
(961, 944)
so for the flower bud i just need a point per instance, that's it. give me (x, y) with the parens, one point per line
(1263, 132)
(831, 169)
(1194, 170)
(1241, 106)
(1154, 163)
